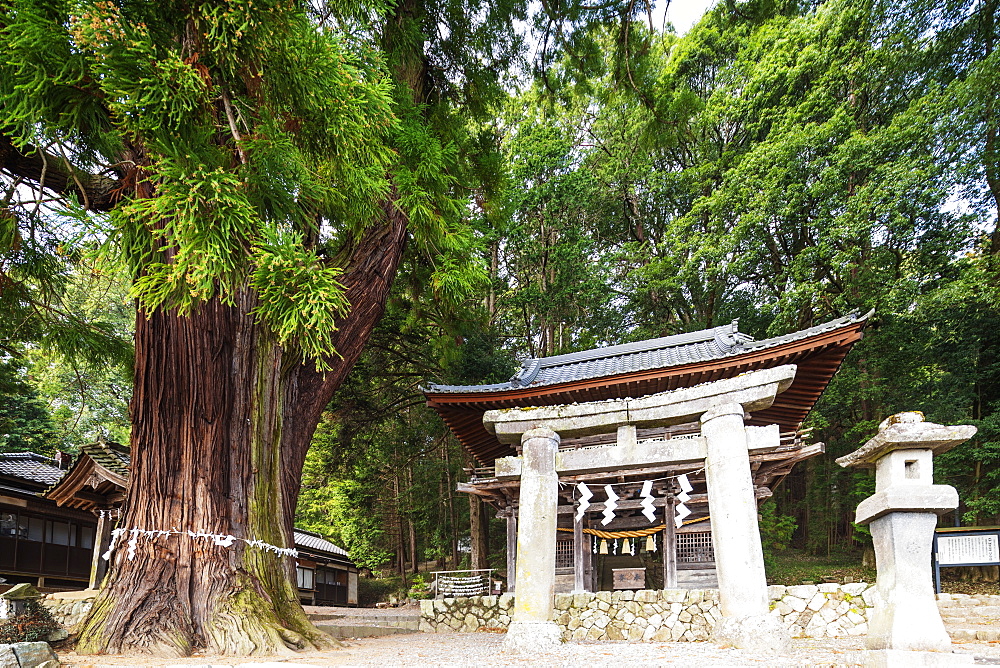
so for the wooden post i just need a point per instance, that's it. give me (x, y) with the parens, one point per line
(511, 547)
(669, 549)
(588, 559)
(102, 538)
(578, 556)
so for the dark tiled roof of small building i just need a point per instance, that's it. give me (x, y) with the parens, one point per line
(313, 541)
(668, 351)
(30, 466)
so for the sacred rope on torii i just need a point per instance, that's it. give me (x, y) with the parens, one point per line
(638, 533)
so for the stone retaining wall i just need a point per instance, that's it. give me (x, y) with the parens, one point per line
(810, 611)
(69, 611)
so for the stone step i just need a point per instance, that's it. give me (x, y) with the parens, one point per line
(983, 634)
(365, 619)
(971, 611)
(362, 631)
(967, 601)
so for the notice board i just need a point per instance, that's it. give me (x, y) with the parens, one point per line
(961, 546)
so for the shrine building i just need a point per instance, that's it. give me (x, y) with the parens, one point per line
(674, 549)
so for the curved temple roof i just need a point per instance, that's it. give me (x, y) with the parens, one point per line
(647, 367)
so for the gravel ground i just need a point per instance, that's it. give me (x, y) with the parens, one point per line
(485, 649)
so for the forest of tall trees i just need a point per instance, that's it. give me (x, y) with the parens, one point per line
(359, 198)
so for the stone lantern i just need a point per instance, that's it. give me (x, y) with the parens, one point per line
(14, 601)
(902, 516)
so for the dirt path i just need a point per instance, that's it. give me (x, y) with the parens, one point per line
(483, 649)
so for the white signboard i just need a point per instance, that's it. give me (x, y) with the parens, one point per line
(984, 549)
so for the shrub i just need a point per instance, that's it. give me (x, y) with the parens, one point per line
(377, 590)
(35, 624)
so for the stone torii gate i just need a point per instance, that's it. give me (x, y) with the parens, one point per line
(724, 445)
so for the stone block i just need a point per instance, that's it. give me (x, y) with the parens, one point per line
(563, 601)
(774, 592)
(426, 626)
(828, 587)
(34, 654)
(506, 601)
(645, 596)
(795, 603)
(636, 632)
(988, 635)
(531, 637)
(817, 602)
(655, 620)
(760, 634)
(7, 657)
(802, 591)
(580, 634)
(827, 615)
(854, 588)
(603, 596)
(907, 498)
(427, 608)
(626, 595)
(673, 595)
(649, 632)
(694, 596)
(662, 635)
(963, 635)
(440, 605)
(488, 601)
(615, 633)
(582, 599)
(596, 633)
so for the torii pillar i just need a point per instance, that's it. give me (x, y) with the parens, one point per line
(724, 447)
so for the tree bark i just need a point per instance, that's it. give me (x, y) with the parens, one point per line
(477, 542)
(222, 418)
(207, 421)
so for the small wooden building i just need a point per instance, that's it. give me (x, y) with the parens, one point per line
(326, 575)
(56, 522)
(40, 543)
(604, 555)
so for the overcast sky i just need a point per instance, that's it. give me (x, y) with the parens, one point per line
(682, 13)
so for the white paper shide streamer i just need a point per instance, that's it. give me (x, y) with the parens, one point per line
(218, 539)
(609, 506)
(585, 496)
(647, 501)
(681, 511)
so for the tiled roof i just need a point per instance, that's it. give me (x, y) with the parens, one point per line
(665, 352)
(310, 540)
(30, 466)
(112, 456)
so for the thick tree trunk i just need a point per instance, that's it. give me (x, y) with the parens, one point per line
(478, 523)
(206, 436)
(221, 422)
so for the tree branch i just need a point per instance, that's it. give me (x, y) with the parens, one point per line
(54, 174)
